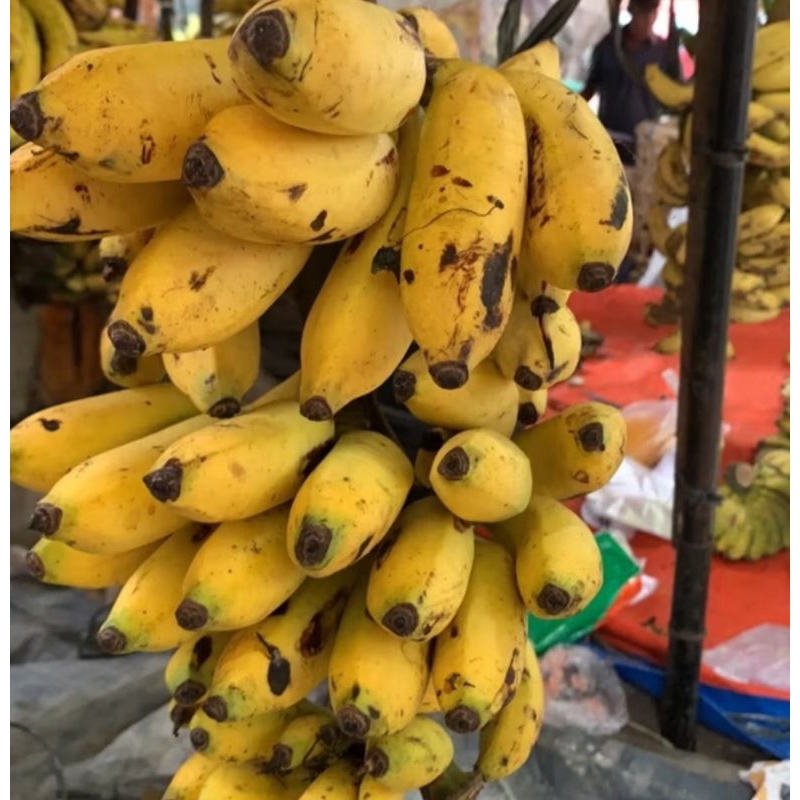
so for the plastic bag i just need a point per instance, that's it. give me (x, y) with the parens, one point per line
(770, 779)
(582, 691)
(652, 425)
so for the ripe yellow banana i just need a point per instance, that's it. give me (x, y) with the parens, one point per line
(773, 76)
(375, 680)
(370, 789)
(298, 59)
(102, 506)
(478, 658)
(421, 573)
(309, 741)
(47, 444)
(759, 117)
(488, 400)
(274, 664)
(191, 667)
(246, 781)
(240, 574)
(669, 92)
(558, 563)
(129, 113)
(315, 192)
(576, 451)
(543, 58)
(733, 532)
(543, 296)
(131, 372)
(192, 286)
(217, 377)
(348, 503)
(759, 221)
(538, 351)
(435, 36)
(464, 222)
(16, 26)
(766, 152)
(26, 67)
(507, 741)
(770, 44)
(142, 618)
(117, 252)
(778, 129)
(532, 406)
(337, 782)
(356, 332)
(658, 227)
(672, 172)
(58, 563)
(430, 703)
(238, 468)
(482, 476)
(59, 37)
(576, 233)
(108, 36)
(779, 102)
(188, 780)
(410, 758)
(429, 445)
(51, 199)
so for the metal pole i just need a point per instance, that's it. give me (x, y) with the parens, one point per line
(206, 18)
(722, 92)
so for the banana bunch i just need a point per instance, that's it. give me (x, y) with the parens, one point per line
(275, 544)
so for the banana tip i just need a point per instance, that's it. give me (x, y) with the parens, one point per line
(165, 483)
(595, 276)
(462, 719)
(201, 168)
(35, 565)
(123, 365)
(376, 763)
(401, 620)
(125, 339)
(553, 599)
(527, 379)
(353, 722)
(46, 519)
(216, 708)
(542, 305)
(199, 738)
(225, 408)
(404, 384)
(113, 268)
(279, 760)
(591, 437)
(265, 36)
(191, 615)
(527, 414)
(27, 118)
(449, 374)
(317, 409)
(111, 640)
(189, 692)
(454, 465)
(312, 544)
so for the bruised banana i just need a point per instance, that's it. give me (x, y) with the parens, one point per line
(131, 372)
(274, 664)
(192, 286)
(117, 252)
(669, 92)
(59, 37)
(142, 618)
(558, 563)
(543, 57)
(191, 667)
(464, 222)
(576, 232)
(421, 573)
(375, 680)
(433, 33)
(357, 318)
(532, 406)
(53, 200)
(188, 780)
(102, 506)
(241, 467)
(49, 443)
(482, 476)
(128, 114)
(575, 452)
(477, 662)
(487, 400)
(240, 574)
(284, 54)
(60, 564)
(431, 441)
(309, 741)
(410, 758)
(315, 192)
(507, 741)
(217, 377)
(348, 503)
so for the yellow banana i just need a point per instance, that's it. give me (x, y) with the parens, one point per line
(314, 192)
(217, 377)
(770, 44)
(759, 221)
(243, 781)
(131, 372)
(274, 664)
(478, 658)
(117, 37)
(309, 741)
(421, 573)
(129, 113)
(669, 92)
(429, 445)
(163, 305)
(142, 618)
(191, 667)
(436, 37)
(59, 37)
(102, 506)
(348, 503)
(558, 563)
(55, 562)
(576, 232)
(188, 780)
(672, 171)
(748, 314)
(464, 222)
(733, 532)
(482, 476)
(746, 282)
(779, 102)
(429, 704)
(26, 68)
(52, 199)
(658, 227)
(410, 758)
(16, 26)
(575, 452)
(357, 318)
(759, 116)
(507, 741)
(88, 14)
(538, 351)
(773, 76)
(765, 152)
(285, 53)
(487, 400)
(375, 680)
(240, 574)
(337, 782)
(49, 443)
(783, 293)
(543, 58)
(532, 406)
(778, 129)
(370, 789)
(544, 297)
(238, 468)
(117, 252)
(670, 344)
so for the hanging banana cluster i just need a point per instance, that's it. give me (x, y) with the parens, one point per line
(761, 277)
(280, 544)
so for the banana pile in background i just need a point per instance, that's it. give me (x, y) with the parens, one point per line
(760, 285)
(281, 544)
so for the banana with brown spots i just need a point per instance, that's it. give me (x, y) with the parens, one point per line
(436, 37)
(191, 667)
(129, 371)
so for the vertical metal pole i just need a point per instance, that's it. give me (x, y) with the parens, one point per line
(722, 92)
(206, 18)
